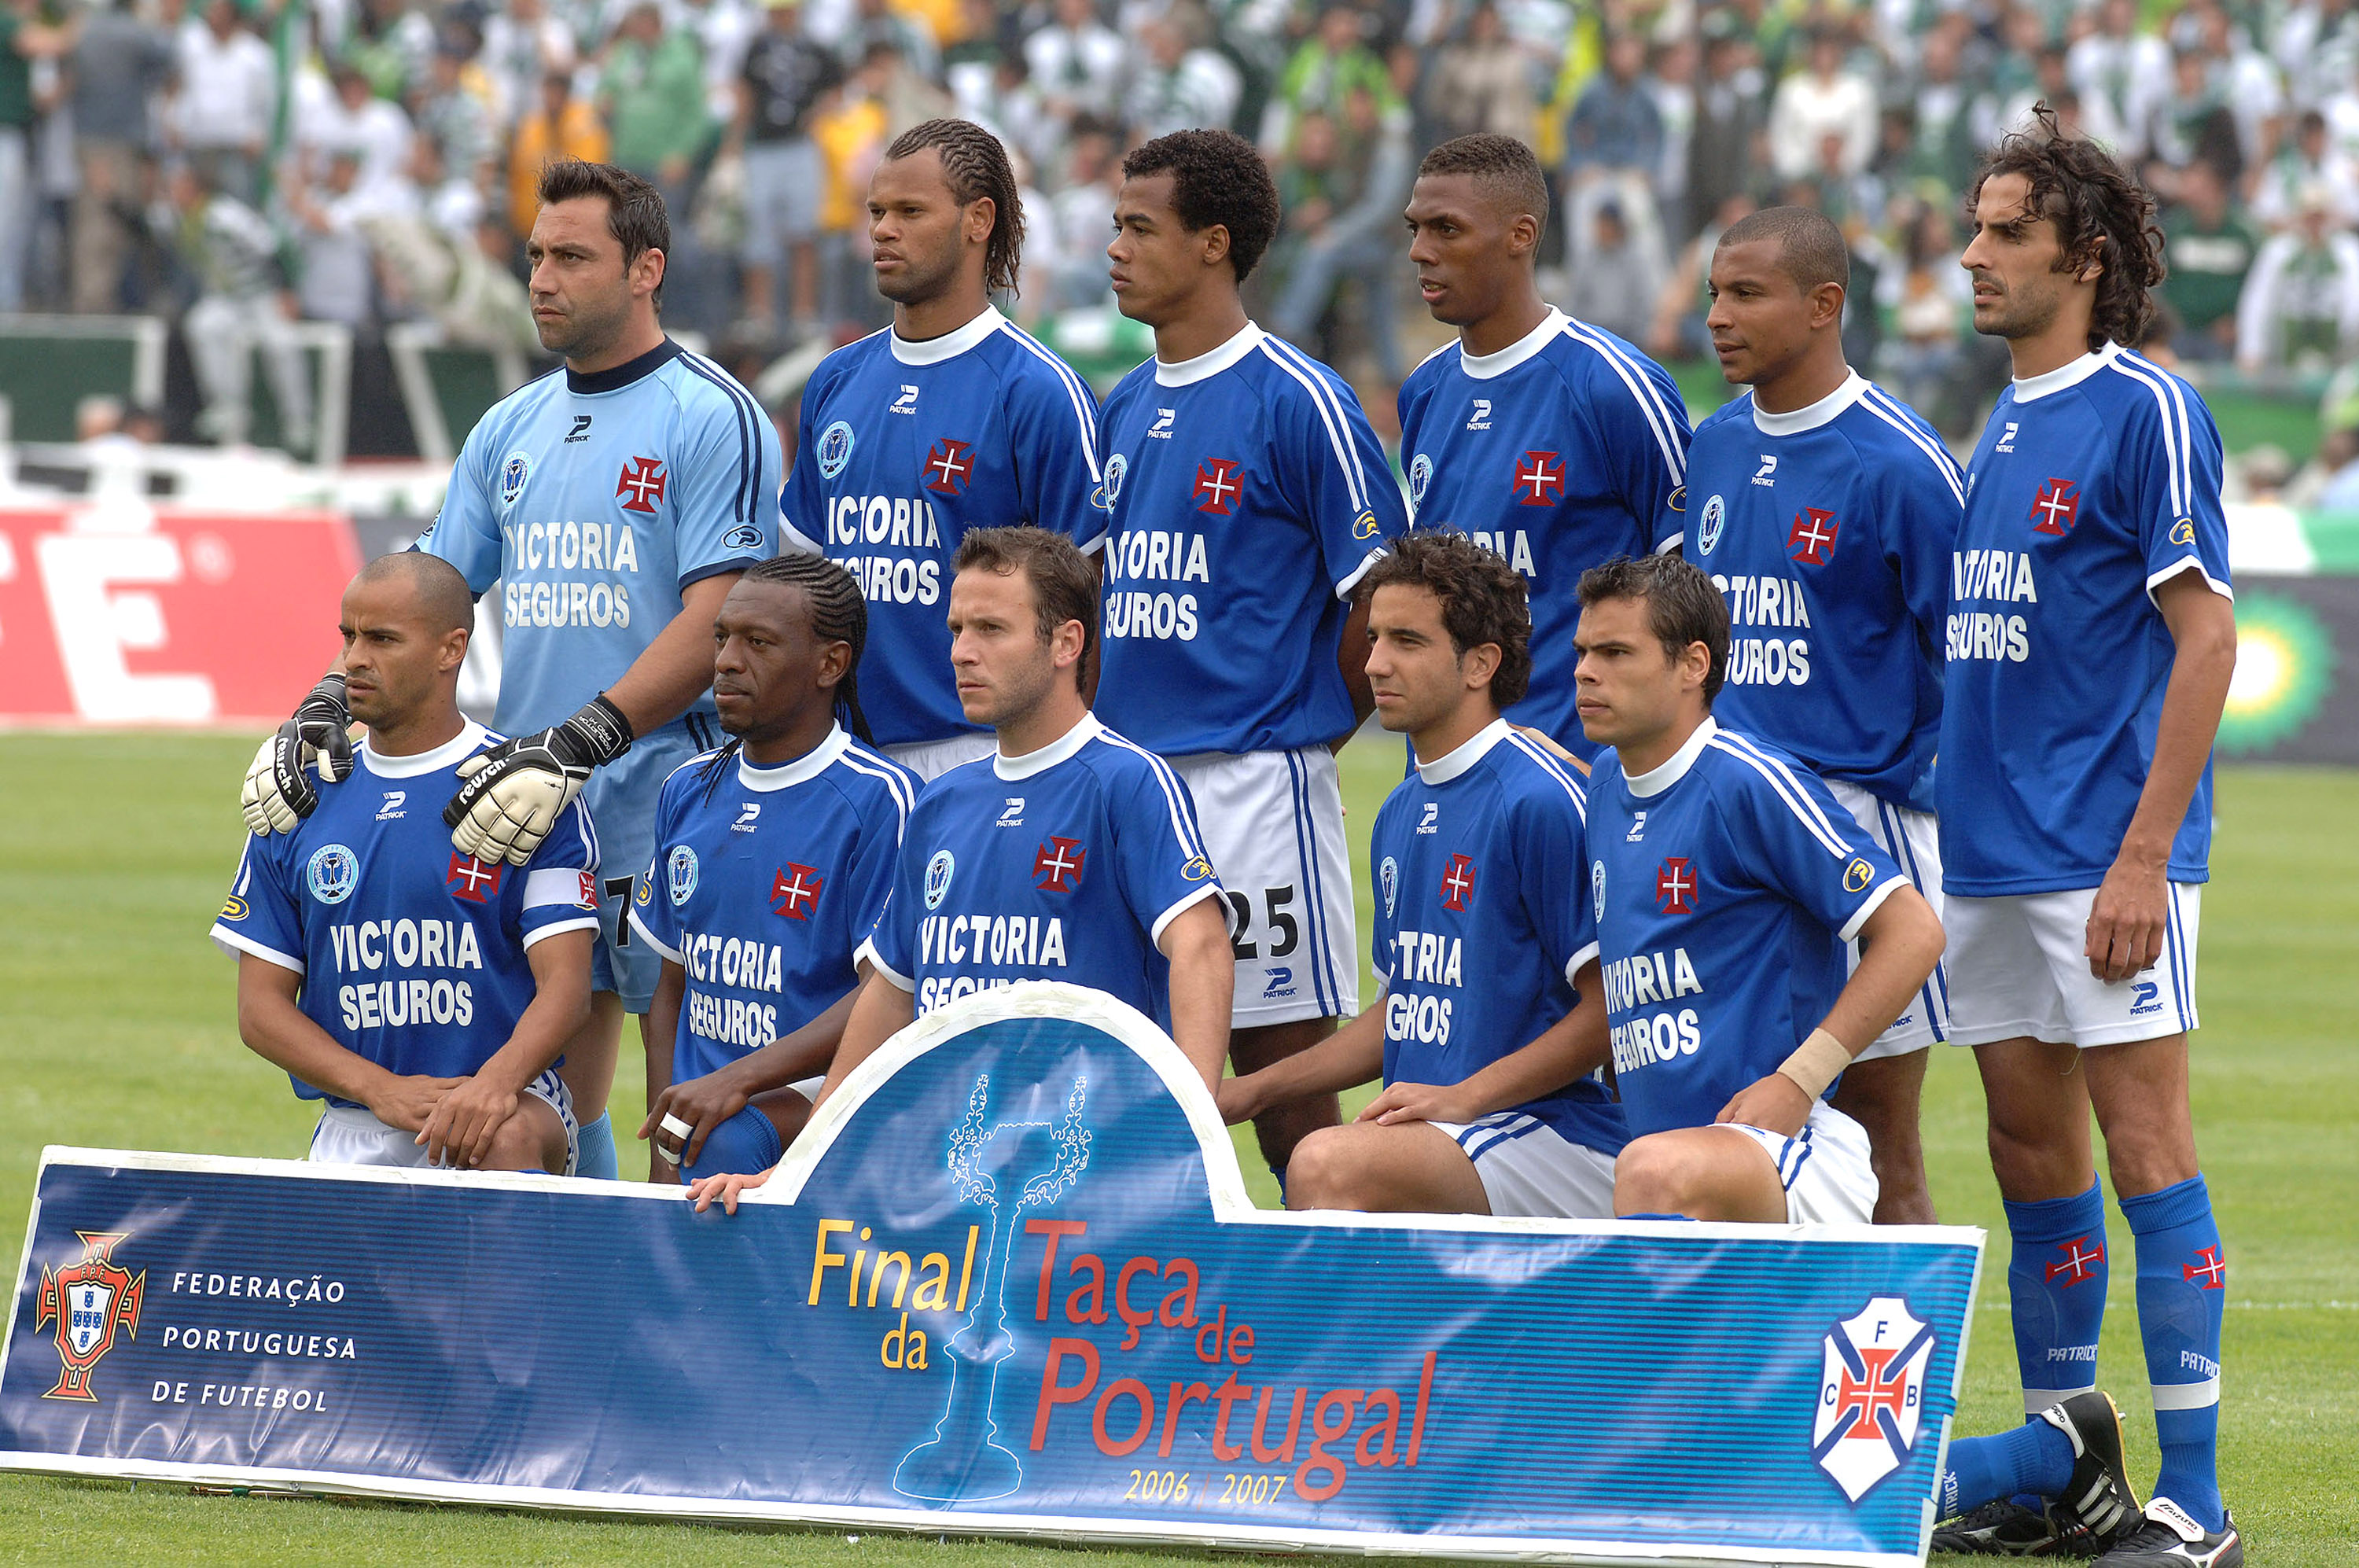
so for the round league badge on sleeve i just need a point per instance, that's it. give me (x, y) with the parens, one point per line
(835, 448)
(680, 874)
(515, 469)
(939, 871)
(333, 872)
(1715, 514)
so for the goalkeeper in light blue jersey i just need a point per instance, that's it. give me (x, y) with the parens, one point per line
(615, 503)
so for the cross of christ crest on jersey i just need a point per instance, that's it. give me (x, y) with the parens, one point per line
(1539, 479)
(1218, 486)
(1811, 540)
(2055, 508)
(948, 466)
(794, 892)
(641, 486)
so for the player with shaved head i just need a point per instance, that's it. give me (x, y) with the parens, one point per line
(1824, 510)
(425, 995)
(1554, 442)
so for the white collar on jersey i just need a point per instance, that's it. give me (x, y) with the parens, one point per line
(1047, 756)
(1823, 412)
(950, 345)
(450, 754)
(2030, 387)
(807, 767)
(1654, 780)
(1465, 755)
(1484, 366)
(1187, 372)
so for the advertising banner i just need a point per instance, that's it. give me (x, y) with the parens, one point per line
(1008, 1282)
(120, 613)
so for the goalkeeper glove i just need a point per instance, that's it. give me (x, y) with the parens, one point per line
(514, 792)
(278, 791)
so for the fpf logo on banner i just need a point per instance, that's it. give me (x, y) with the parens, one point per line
(1008, 1282)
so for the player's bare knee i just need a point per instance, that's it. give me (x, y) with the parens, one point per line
(526, 1141)
(1318, 1176)
(1652, 1177)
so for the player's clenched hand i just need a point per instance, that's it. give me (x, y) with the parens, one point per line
(1238, 1099)
(460, 1131)
(1775, 1104)
(514, 792)
(1418, 1103)
(2129, 921)
(278, 790)
(704, 1189)
(703, 1104)
(407, 1103)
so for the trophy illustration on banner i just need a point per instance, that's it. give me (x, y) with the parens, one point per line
(962, 1461)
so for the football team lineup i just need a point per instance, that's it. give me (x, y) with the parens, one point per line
(1666, 923)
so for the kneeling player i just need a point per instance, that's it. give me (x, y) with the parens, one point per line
(424, 995)
(772, 858)
(1069, 854)
(1726, 880)
(1483, 934)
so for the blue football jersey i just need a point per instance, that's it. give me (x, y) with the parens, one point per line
(1829, 529)
(764, 882)
(1725, 884)
(1482, 921)
(904, 446)
(1560, 453)
(412, 955)
(1065, 864)
(2092, 484)
(593, 500)
(1246, 495)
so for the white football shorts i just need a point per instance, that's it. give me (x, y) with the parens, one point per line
(2019, 968)
(1273, 821)
(350, 1135)
(929, 759)
(1913, 840)
(1529, 1168)
(1824, 1168)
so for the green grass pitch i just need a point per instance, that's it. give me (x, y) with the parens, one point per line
(116, 1016)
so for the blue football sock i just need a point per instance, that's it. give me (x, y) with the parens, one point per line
(2056, 1278)
(596, 1157)
(2181, 1290)
(2034, 1459)
(745, 1144)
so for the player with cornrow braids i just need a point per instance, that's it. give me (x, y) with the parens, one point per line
(772, 857)
(951, 419)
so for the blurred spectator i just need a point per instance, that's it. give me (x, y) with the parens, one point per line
(1343, 193)
(1614, 286)
(1679, 330)
(561, 127)
(1728, 126)
(1824, 99)
(2126, 72)
(2300, 304)
(652, 90)
(2307, 162)
(1320, 76)
(1480, 81)
(1616, 129)
(877, 22)
(242, 308)
(851, 129)
(1084, 211)
(353, 121)
(118, 63)
(524, 46)
(23, 40)
(1181, 84)
(1077, 63)
(784, 79)
(227, 93)
(1671, 82)
(454, 108)
(2209, 249)
(1930, 300)
(334, 280)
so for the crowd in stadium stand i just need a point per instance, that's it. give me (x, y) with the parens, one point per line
(367, 161)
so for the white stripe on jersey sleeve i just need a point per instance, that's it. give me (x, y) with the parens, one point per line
(1786, 772)
(235, 943)
(1355, 478)
(2172, 448)
(866, 953)
(1796, 801)
(2178, 403)
(669, 955)
(1643, 392)
(1072, 393)
(1553, 769)
(1941, 459)
(861, 762)
(1170, 783)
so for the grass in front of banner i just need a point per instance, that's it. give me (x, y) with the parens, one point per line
(117, 1015)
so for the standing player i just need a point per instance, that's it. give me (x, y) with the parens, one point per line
(614, 505)
(2090, 649)
(1071, 854)
(772, 858)
(1726, 881)
(1556, 443)
(1247, 496)
(1483, 933)
(1825, 512)
(423, 995)
(953, 419)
